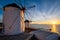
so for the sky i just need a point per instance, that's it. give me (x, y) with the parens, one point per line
(44, 10)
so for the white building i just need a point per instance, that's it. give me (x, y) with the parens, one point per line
(45, 35)
(12, 19)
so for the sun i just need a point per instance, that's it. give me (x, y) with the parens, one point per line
(53, 22)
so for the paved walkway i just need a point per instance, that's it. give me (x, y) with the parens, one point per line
(22, 36)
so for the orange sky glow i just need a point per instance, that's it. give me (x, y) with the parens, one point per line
(46, 22)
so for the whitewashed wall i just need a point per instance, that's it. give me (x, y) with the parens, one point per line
(58, 28)
(9, 16)
(27, 24)
(45, 35)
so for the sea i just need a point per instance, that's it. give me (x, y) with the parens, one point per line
(50, 27)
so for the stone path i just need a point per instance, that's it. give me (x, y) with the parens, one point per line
(22, 36)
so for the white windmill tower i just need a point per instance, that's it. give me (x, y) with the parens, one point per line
(13, 18)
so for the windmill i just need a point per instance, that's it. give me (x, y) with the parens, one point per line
(11, 28)
(23, 9)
